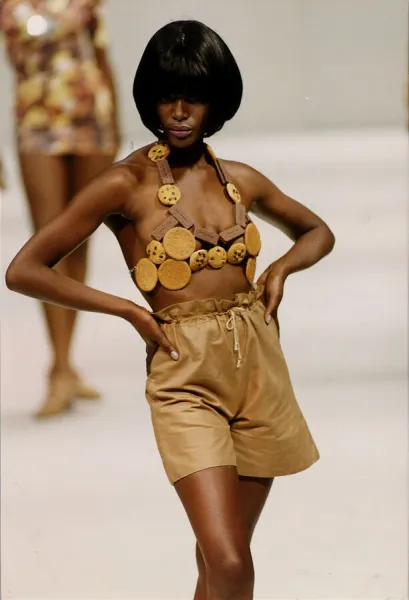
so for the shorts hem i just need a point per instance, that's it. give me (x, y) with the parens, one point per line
(275, 472)
(174, 479)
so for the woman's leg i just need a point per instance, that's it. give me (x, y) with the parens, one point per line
(253, 493)
(82, 170)
(45, 178)
(220, 522)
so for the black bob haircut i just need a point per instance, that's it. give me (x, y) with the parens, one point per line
(187, 59)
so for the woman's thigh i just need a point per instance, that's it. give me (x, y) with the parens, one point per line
(85, 168)
(212, 501)
(45, 178)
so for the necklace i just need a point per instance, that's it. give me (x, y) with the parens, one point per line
(169, 194)
(179, 248)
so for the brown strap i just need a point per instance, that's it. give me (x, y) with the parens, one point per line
(204, 235)
(181, 216)
(219, 167)
(231, 234)
(240, 213)
(222, 172)
(164, 227)
(165, 173)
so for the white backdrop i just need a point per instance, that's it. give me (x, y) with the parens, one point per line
(305, 63)
(87, 512)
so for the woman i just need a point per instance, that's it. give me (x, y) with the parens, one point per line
(223, 409)
(66, 133)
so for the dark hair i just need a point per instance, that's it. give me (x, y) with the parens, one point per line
(188, 59)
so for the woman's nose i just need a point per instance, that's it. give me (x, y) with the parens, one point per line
(179, 110)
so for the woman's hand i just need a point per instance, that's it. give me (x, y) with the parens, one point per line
(150, 331)
(273, 293)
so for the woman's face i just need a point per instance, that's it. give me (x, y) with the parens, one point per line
(183, 121)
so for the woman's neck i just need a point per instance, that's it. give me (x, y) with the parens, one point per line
(187, 157)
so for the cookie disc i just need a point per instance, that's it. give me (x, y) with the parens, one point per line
(236, 253)
(146, 275)
(156, 252)
(252, 239)
(251, 270)
(179, 243)
(158, 152)
(174, 274)
(198, 260)
(169, 194)
(217, 257)
(233, 192)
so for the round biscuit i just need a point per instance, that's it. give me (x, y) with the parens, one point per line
(156, 252)
(217, 257)
(146, 275)
(179, 243)
(252, 239)
(236, 253)
(159, 152)
(251, 269)
(174, 274)
(169, 194)
(198, 260)
(233, 192)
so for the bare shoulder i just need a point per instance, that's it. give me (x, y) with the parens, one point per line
(137, 162)
(241, 170)
(115, 179)
(118, 184)
(250, 181)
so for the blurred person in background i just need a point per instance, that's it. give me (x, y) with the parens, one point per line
(67, 132)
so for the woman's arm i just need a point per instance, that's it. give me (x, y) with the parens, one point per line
(312, 238)
(31, 271)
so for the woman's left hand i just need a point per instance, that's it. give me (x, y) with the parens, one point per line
(273, 293)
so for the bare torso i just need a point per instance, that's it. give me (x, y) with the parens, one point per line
(203, 199)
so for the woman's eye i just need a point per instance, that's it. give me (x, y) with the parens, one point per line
(171, 99)
(167, 99)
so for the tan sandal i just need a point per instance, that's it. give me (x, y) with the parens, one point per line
(85, 391)
(61, 394)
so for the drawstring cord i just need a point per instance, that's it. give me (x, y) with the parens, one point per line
(231, 325)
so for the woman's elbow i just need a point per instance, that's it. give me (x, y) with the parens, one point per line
(15, 277)
(330, 238)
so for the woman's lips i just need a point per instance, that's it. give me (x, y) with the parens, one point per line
(181, 134)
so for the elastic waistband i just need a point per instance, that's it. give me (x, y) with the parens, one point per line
(207, 307)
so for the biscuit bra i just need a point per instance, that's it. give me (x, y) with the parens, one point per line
(179, 248)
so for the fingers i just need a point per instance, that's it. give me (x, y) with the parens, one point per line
(262, 279)
(161, 340)
(273, 301)
(273, 294)
(164, 343)
(152, 333)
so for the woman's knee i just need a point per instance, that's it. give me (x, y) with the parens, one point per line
(231, 573)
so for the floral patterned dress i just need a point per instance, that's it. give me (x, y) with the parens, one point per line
(63, 102)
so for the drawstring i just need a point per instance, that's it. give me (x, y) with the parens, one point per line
(231, 325)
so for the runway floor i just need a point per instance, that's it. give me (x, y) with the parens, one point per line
(87, 512)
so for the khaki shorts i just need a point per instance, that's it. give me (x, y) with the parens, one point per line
(228, 400)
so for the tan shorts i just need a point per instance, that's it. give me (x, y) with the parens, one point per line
(228, 400)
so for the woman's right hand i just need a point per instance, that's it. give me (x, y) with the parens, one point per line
(150, 330)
